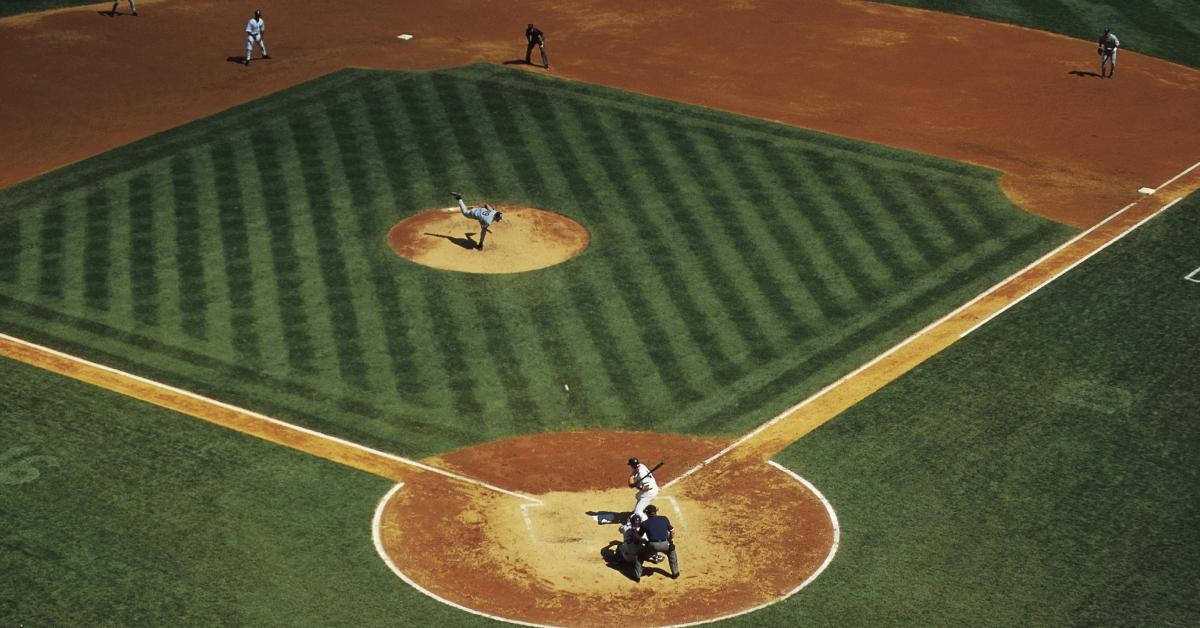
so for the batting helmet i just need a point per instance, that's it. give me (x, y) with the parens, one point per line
(633, 462)
(258, 14)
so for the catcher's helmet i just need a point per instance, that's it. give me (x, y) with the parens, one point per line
(635, 520)
(633, 462)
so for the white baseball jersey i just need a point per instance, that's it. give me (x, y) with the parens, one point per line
(648, 482)
(255, 27)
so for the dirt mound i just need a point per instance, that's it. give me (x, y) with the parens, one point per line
(526, 239)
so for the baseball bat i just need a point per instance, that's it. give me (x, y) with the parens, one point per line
(651, 471)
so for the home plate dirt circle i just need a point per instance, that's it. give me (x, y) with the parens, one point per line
(527, 238)
(748, 532)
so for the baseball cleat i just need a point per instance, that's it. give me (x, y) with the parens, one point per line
(266, 56)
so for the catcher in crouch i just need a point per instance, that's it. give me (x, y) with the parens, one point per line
(486, 216)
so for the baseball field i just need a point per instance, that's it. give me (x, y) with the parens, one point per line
(911, 343)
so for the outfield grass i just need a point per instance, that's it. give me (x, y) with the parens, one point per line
(15, 7)
(118, 513)
(1161, 28)
(735, 265)
(1041, 472)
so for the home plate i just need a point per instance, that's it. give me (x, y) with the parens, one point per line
(405, 37)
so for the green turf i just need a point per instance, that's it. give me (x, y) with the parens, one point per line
(117, 513)
(14, 7)
(734, 267)
(1041, 472)
(1162, 28)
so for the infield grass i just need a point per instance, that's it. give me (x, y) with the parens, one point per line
(734, 266)
(1041, 472)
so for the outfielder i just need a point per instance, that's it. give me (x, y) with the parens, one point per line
(642, 480)
(254, 33)
(486, 216)
(1107, 49)
(132, 7)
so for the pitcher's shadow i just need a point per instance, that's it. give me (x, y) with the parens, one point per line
(466, 242)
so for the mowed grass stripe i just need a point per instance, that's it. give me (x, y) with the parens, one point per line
(50, 263)
(430, 107)
(143, 255)
(339, 300)
(779, 211)
(378, 150)
(119, 304)
(563, 363)
(189, 264)
(274, 358)
(74, 251)
(743, 225)
(850, 256)
(907, 313)
(96, 249)
(353, 188)
(609, 315)
(624, 256)
(11, 236)
(692, 215)
(681, 297)
(879, 228)
(588, 287)
(921, 225)
(300, 348)
(235, 248)
(468, 386)
(218, 306)
(305, 240)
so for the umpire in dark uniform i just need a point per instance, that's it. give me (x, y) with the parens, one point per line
(660, 536)
(536, 38)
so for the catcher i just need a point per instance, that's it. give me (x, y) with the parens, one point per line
(1107, 49)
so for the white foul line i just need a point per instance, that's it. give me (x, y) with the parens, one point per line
(1193, 276)
(1177, 177)
(262, 417)
(1064, 271)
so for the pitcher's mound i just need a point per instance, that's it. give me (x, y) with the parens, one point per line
(526, 238)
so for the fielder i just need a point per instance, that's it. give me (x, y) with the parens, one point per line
(486, 216)
(132, 7)
(1107, 49)
(254, 33)
(642, 480)
(535, 37)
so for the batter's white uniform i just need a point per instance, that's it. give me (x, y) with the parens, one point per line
(254, 33)
(646, 490)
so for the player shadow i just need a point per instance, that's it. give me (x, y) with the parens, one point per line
(517, 62)
(466, 242)
(240, 60)
(604, 517)
(612, 560)
(1082, 73)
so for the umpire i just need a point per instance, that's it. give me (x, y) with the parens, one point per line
(536, 38)
(660, 537)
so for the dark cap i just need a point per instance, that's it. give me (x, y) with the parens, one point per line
(633, 462)
(651, 510)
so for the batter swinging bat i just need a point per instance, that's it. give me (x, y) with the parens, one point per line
(639, 480)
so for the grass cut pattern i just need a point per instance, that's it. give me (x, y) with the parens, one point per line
(735, 266)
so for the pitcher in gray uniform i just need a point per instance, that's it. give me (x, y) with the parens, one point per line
(486, 215)
(1107, 48)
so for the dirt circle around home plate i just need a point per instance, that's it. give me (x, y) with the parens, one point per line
(525, 239)
(749, 533)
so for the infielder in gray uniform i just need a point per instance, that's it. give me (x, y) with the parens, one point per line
(254, 33)
(486, 216)
(1107, 48)
(132, 7)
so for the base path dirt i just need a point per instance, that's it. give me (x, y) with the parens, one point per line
(525, 239)
(1072, 146)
